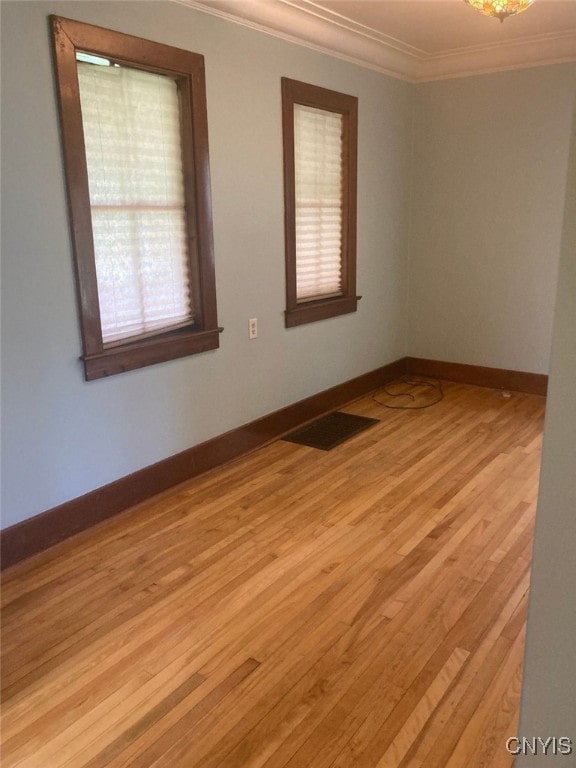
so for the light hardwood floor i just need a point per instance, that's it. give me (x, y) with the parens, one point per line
(359, 607)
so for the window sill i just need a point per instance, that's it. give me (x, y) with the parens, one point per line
(321, 309)
(158, 349)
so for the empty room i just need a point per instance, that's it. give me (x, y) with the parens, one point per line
(288, 364)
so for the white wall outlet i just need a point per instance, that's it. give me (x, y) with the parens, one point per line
(253, 328)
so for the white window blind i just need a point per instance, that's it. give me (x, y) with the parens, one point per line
(319, 202)
(131, 122)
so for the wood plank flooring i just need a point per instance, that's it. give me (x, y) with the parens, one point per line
(363, 607)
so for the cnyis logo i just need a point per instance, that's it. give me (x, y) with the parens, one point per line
(536, 745)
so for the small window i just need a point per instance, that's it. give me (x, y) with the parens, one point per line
(320, 146)
(133, 116)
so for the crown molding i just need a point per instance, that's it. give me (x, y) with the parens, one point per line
(541, 50)
(305, 23)
(292, 23)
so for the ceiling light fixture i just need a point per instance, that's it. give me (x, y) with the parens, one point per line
(500, 9)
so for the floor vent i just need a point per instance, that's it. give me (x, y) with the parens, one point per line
(330, 431)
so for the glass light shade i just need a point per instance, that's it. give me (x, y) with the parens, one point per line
(500, 9)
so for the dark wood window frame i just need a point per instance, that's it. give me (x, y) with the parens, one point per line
(187, 69)
(295, 92)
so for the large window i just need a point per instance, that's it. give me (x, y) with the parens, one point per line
(133, 116)
(320, 148)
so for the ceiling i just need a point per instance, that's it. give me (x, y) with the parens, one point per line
(415, 40)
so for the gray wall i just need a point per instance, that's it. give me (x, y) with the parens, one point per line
(461, 189)
(490, 157)
(63, 437)
(549, 693)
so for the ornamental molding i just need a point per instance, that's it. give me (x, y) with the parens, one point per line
(305, 23)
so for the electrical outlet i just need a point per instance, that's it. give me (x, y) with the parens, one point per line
(253, 328)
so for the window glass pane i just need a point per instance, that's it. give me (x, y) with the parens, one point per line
(319, 202)
(131, 124)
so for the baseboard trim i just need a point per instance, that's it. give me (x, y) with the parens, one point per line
(38, 533)
(494, 378)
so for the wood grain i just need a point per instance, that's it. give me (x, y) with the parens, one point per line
(54, 525)
(480, 375)
(358, 608)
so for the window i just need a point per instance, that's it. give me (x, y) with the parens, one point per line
(135, 139)
(320, 130)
